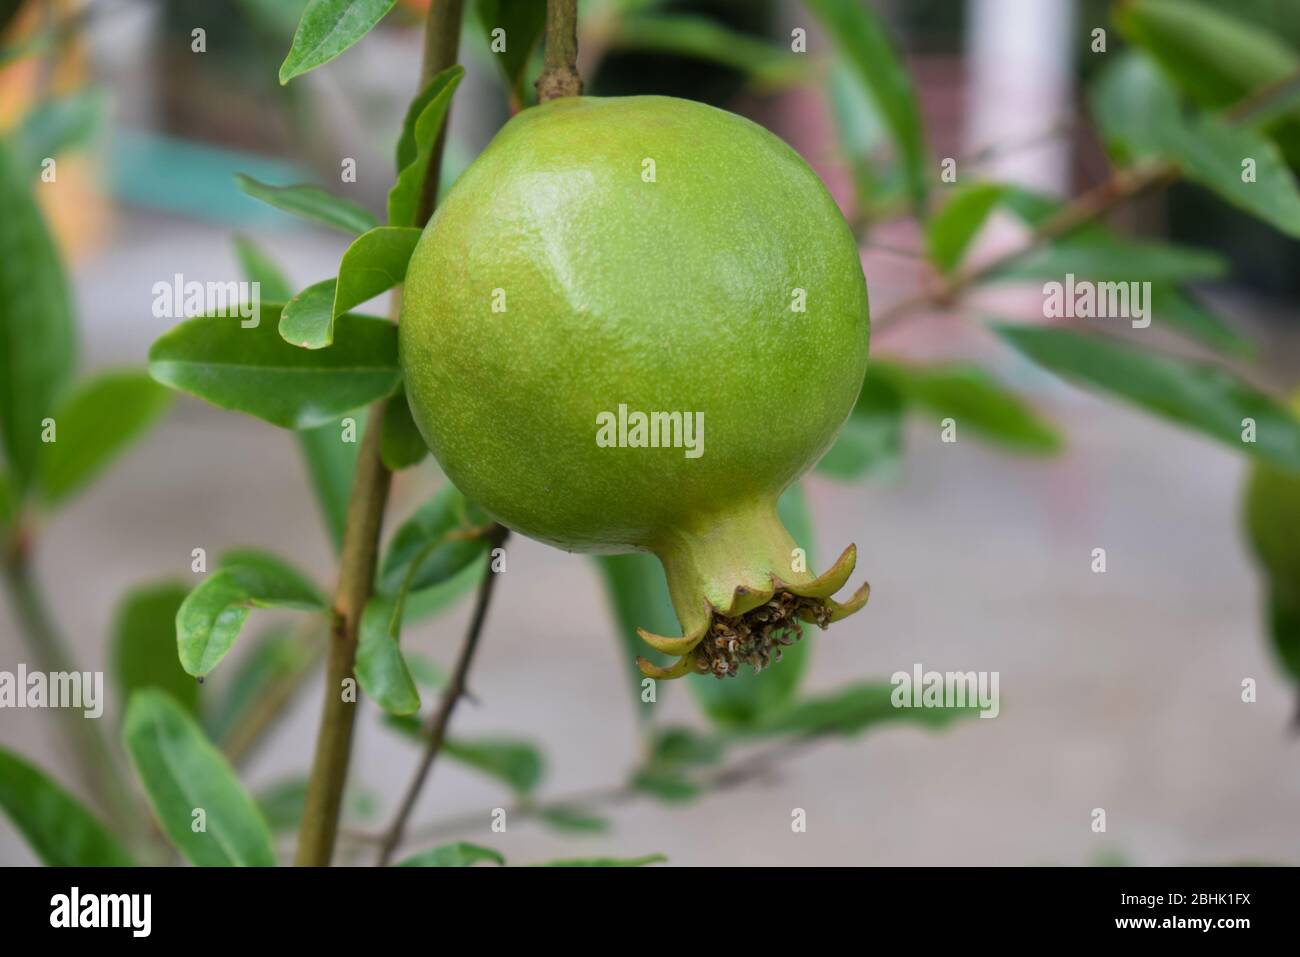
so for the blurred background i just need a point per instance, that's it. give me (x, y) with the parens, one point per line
(1119, 690)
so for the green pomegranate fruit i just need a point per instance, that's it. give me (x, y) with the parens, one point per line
(631, 324)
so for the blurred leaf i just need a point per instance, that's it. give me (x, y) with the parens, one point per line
(37, 331)
(427, 673)
(282, 804)
(257, 266)
(1284, 629)
(460, 854)
(57, 827)
(55, 125)
(862, 39)
(331, 463)
(424, 123)
(431, 601)
(746, 698)
(1183, 313)
(273, 657)
(423, 538)
(307, 320)
(1134, 107)
(608, 861)
(1099, 255)
(373, 264)
(949, 233)
(94, 425)
(401, 445)
(852, 710)
(516, 763)
(213, 614)
(976, 401)
(311, 203)
(327, 28)
(677, 747)
(253, 370)
(872, 438)
(523, 22)
(144, 644)
(182, 773)
(668, 785)
(573, 819)
(380, 667)
(1202, 397)
(638, 595)
(700, 37)
(862, 136)
(8, 500)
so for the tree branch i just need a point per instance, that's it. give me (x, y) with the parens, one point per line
(361, 535)
(437, 731)
(559, 76)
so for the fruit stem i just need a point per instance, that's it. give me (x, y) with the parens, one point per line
(364, 524)
(559, 76)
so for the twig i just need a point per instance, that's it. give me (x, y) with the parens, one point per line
(455, 690)
(559, 76)
(360, 550)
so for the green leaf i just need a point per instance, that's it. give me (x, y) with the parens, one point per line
(307, 320)
(523, 22)
(699, 37)
(37, 331)
(573, 820)
(144, 644)
(745, 698)
(668, 785)
(56, 826)
(274, 657)
(638, 596)
(419, 537)
(182, 773)
(311, 203)
(1284, 630)
(282, 804)
(516, 763)
(1183, 313)
(94, 425)
(608, 861)
(1135, 108)
(401, 445)
(852, 710)
(380, 667)
(976, 401)
(1200, 396)
(424, 123)
(459, 854)
(373, 264)
(56, 125)
(872, 438)
(949, 234)
(673, 754)
(8, 500)
(861, 37)
(327, 28)
(211, 617)
(257, 266)
(1101, 256)
(331, 464)
(253, 370)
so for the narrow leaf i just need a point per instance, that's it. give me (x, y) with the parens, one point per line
(380, 667)
(311, 203)
(949, 233)
(516, 763)
(522, 22)
(183, 774)
(609, 861)
(404, 199)
(573, 820)
(327, 28)
(37, 332)
(93, 426)
(257, 266)
(852, 710)
(459, 854)
(144, 644)
(56, 825)
(1199, 396)
(254, 370)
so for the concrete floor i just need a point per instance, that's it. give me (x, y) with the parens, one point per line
(1119, 691)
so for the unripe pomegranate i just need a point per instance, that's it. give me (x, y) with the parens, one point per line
(631, 325)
